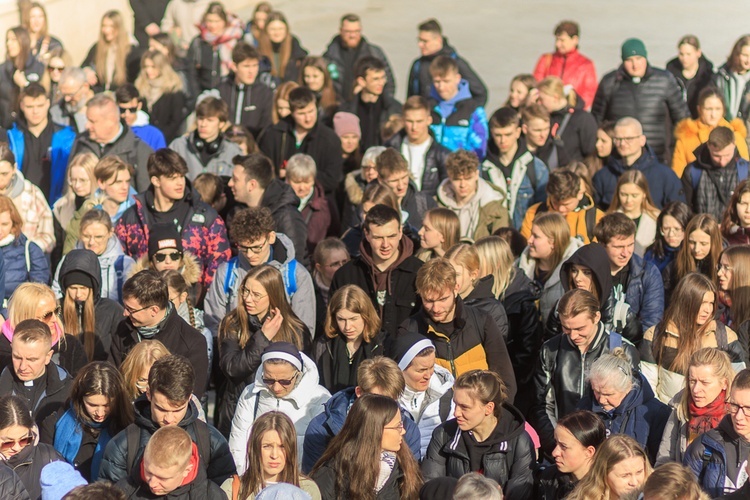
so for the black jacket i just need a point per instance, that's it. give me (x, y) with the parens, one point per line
(280, 199)
(176, 335)
(715, 184)
(483, 299)
(207, 63)
(325, 478)
(691, 88)
(508, 462)
(132, 65)
(257, 103)
(288, 74)
(11, 485)
(199, 488)
(9, 90)
(551, 484)
(579, 135)
(344, 73)
(54, 395)
(388, 106)
(167, 114)
(28, 465)
(146, 12)
(434, 162)
(325, 357)
(524, 327)
(416, 204)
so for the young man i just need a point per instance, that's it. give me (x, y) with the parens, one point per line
(711, 179)
(75, 92)
(536, 126)
(511, 168)
(393, 171)
(566, 196)
(206, 149)
(33, 375)
(170, 468)
(458, 121)
(105, 135)
(258, 243)
(465, 337)
(370, 103)
(301, 132)
(169, 200)
(386, 268)
(479, 206)
(168, 402)
(426, 157)
(131, 112)
(318, 212)
(40, 146)
(249, 100)
(633, 152)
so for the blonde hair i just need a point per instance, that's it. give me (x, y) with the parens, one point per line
(171, 81)
(719, 361)
(556, 228)
(496, 258)
(143, 354)
(86, 161)
(169, 446)
(554, 86)
(636, 177)
(24, 301)
(464, 255)
(122, 49)
(383, 374)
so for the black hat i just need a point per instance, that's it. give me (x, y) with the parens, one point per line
(163, 236)
(77, 278)
(407, 346)
(283, 350)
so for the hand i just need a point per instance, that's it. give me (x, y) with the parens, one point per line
(19, 78)
(272, 324)
(91, 77)
(152, 29)
(532, 97)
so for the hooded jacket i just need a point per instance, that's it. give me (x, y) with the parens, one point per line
(461, 122)
(581, 221)
(724, 80)
(33, 70)
(483, 299)
(715, 184)
(574, 69)
(645, 292)
(524, 328)
(692, 133)
(508, 461)
(325, 477)
(56, 390)
(257, 103)
(38, 223)
(343, 73)
(24, 262)
(211, 60)
(301, 405)
(415, 204)
(434, 162)
(219, 163)
(283, 203)
(692, 88)
(28, 465)
(484, 213)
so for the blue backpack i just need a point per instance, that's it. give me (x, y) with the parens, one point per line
(696, 173)
(288, 273)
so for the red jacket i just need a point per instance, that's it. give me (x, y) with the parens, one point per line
(574, 69)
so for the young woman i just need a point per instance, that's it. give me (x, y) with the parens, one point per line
(57, 61)
(482, 418)
(162, 42)
(671, 223)
(734, 286)
(20, 448)
(368, 458)
(20, 68)
(440, 231)
(522, 90)
(633, 198)
(281, 49)
(257, 23)
(113, 59)
(577, 435)
(620, 467)
(281, 107)
(314, 75)
(352, 334)
(241, 136)
(692, 71)
(161, 89)
(138, 363)
(264, 316)
(41, 42)
(211, 51)
(347, 127)
(98, 409)
(735, 225)
(732, 79)
(81, 185)
(692, 132)
(688, 326)
(604, 147)
(700, 406)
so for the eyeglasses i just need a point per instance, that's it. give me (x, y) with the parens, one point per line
(247, 293)
(734, 408)
(398, 427)
(337, 264)
(723, 267)
(256, 249)
(23, 442)
(55, 68)
(94, 237)
(270, 382)
(124, 110)
(133, 311)
(71, 96)
(625, 139)
(46, 317)
(672, 230)
(174, 256)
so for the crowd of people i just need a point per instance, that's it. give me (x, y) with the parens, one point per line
(384, 300)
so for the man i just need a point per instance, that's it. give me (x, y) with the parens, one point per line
(41, 147)
(33, 375)
(170, 469)
(465, 337)
(169, 200)
(511, 168)
(432, 44)
(301, 132)
(393, 171)
(369, 102)
(150, 315)
(572, 67)
(105, 135)
(70, 111)
(386, 269)
(348, 47)
(249, 100)
(258, 243)
(425, 155)
(634, 281)
(639, 90)
(711, 179)
(536, 127)
(632, 151)
(131, 112)
(167, 403)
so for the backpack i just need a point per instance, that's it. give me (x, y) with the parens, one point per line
(696, 173)
(202, 441)
(120, 275)
(289, 273)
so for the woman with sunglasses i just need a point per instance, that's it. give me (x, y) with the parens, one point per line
(55, 67)
(286, 381)
(20, 448)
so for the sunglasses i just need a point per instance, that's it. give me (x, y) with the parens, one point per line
(56, 68)
(124, 110)
(48, 315)
(174, 256)
(23, 443)
(269, 382)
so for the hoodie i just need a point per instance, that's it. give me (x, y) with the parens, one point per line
(715, 184)
(692, 133)
(481, 215)
(460, 122)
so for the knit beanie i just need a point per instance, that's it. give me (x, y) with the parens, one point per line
(163, 236)
(346, 123)
(77, 278)
(285, 351)
(407, 346)
(633, 47)
(58, 479)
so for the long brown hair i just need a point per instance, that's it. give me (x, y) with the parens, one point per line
(353, 299)
(731, 218)
(328, 98)
(171, 80)
(122, 48)
(24, 43)
(684, 261)
(355, 452)
(100, 378)
(739, 289)
(282, 92)
(632, 176)
(556, 228)
(733, 61)
(265, 47)
(7, 205)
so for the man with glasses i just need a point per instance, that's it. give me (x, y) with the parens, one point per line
(393, 171)
(70, 110)
(632, 152)
(719, 457)
(129, 102)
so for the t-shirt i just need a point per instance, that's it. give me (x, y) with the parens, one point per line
(416, 155)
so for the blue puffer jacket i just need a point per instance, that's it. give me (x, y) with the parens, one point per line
(460, 123)
(19, 269)
(328, 424)
(645, 293)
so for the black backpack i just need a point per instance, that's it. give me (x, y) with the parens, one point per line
(202, 440)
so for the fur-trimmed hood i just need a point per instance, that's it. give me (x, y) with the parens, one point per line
(191, 268)
(690, 129)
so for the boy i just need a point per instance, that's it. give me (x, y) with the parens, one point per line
(536, 126)
(393, 171)
(129, 101)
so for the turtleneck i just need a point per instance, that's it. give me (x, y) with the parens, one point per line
(413, 400)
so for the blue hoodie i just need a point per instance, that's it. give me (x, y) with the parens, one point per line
(460, 122)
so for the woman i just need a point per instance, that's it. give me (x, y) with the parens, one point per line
(550, 244)
(41, 42)
(735, 225)
(179, 295)
(633, 198)
(352, 334)
(271, 459)
(20, 448)
(440, 231)
(257, 23)
(162, 42)
(701, 404)
(314, 75)
(281, 50)
(138, 363)
(347, 127)
(113, 59)
(211, 51)
(355, 183)
(733, 81)
(281, 107)
(692, 132)
(81, 185)
(570, 123)
(286, 381)
(577, 436)
(368, 458)
(692, 71)
(604, 147)
(98, 409)
(483, 420)
(264, 316)
(93, 319)
(19, 69)
(675, 480)
(330, 254)
(688, 326)
(671, 223)
(620, 467)
(734, 286)
(56, 64)
(162, 90)
(521, 88)
(624, 401)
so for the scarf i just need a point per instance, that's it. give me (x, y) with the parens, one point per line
(68, 436)
(387, 463)
(155, 91)
(344, 373)
(148, 332)
(7, 331)
(706, 418)
(224, 42)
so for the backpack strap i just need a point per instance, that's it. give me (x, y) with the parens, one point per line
(742, 170)
(290, 277)
(705, 459)
(133, 433)
(695, 176)
(119, 275)
(531, 174)
(445, 405)
(236, 486)
(721, 336)
(557, 133)
(229, 278)
(202, 441)
(27, 254)
(615, 341)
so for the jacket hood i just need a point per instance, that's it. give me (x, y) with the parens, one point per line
(485, 194)
(354, 187)
(307, 385)
(618, 167)
(405, 250)
(142, 407)
(17, 185)
(705, 67)
(509, 426)
(337, 408)
(278, 194)
(446, 107)
(441, 382)
(595, 258)
(190, 271)
(521, 284)
(703, 159)
(84, 261)
(113, 250)
(528, 264)
(482, 289)
(694, 129)
(640, 394)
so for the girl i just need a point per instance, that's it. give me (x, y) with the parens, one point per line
(732, 79)
(113, 59)
(314, 75)
(281, 107)
(243, 138)
(138, 363)
(162, 42)
(347, 127)
(19, 69)
(257, 23)
(162, 90)
(734, 286)
(440, 231)
(522, 91)
(211, 51)
(281, 49)
(98, 409)
(368, 458)
(56, 63)
(692, 70)
(604, 145)
(81, 185)
(735, 225)
(633, 198)
(41, 42)
(671, 223)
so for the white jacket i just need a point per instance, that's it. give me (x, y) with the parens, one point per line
(425, 411)
(301, 405)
